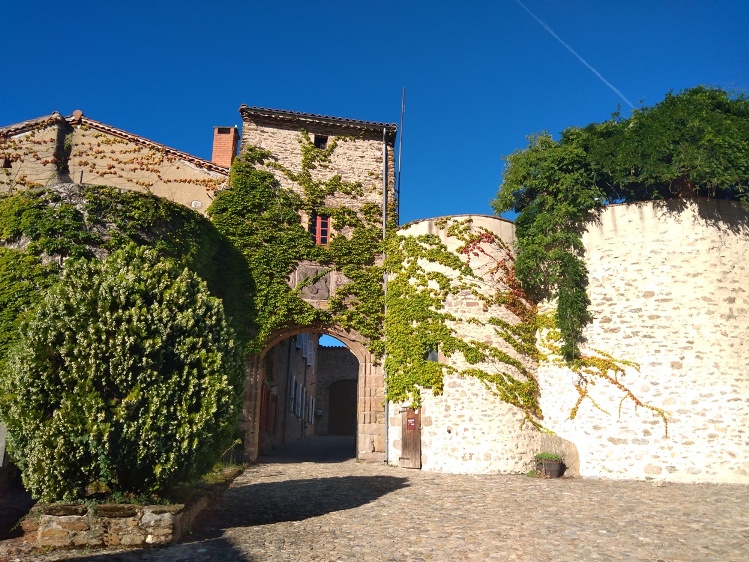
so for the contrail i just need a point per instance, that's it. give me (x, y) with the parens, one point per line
(571, 50)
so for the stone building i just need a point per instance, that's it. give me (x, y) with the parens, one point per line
(336, 392)
(54, 149)
(669, 299)
(76, 149)
(287, 395)
(363, 159)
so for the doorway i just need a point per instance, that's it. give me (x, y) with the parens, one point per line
(342, 408)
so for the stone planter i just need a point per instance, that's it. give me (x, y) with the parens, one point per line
(112, 525)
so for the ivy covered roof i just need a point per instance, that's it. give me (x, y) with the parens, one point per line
(31, 124)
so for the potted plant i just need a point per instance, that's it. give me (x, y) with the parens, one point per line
(549, 465)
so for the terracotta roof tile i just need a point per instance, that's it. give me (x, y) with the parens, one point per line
(23, 126)
(297, 116)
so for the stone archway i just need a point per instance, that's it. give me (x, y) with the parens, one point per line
(370, 434)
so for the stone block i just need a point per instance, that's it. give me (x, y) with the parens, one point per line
(150, 519)
(159, 539)
(73, 523)
(116, 510)
(133, 539)
(63, 509)
(49, 537)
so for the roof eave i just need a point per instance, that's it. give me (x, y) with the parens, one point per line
(263, 115)
(77, 118)
(31, 124)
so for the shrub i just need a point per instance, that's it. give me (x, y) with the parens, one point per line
(127, 377)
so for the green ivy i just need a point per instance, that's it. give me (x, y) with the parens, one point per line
(126, 377)
(417, 322)
(692, 143)
(262, 220)
(40, 229)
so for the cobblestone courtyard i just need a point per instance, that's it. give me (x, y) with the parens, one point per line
(291, 508)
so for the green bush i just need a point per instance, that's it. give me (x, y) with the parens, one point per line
(127, 377)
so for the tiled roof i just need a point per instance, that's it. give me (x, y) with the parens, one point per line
(77, 118)
(23, 126)
(270, 115)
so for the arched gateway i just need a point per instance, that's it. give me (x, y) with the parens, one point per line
(342, 172)
(370, 410)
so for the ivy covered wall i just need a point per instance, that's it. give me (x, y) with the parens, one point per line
(659, 390)
(54, 149)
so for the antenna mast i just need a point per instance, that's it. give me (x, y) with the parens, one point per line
(400, 154)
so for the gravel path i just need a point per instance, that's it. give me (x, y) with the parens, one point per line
(288, 508)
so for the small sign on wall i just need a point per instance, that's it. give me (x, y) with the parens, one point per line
(410, 424)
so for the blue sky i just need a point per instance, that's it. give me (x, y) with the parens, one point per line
(479, 76)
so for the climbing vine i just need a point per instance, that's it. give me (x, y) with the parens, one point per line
(253, 248)
(51, 151)
(262, 219)
(478, 280)
(591, 367)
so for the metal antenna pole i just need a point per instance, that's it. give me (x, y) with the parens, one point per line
(400, 153)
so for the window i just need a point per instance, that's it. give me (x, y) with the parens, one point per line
(321, 142)
(432, 355)
(319, 227)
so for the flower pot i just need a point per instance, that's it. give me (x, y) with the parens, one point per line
(550, 469)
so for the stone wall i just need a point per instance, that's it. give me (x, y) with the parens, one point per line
(111, 525)
(286, 363)
(467, 428)
(76, 149)
(102, 158)
(669, 285)
(355, 159)
(27, 154)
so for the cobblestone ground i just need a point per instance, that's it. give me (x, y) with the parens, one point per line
(289, 509)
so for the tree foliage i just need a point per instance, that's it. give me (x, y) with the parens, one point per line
(692, 143)
(40, 229)
(127, 376)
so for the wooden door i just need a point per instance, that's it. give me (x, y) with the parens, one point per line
(410, 438)
(342, 408)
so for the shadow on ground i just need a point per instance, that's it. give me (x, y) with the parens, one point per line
(15, 503)
(216, 550)
(262, 503)
(318, 449)
(266, 502)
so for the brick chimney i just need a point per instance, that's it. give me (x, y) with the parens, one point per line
(225, 142)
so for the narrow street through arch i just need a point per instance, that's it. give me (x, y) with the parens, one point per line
(311, 501)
